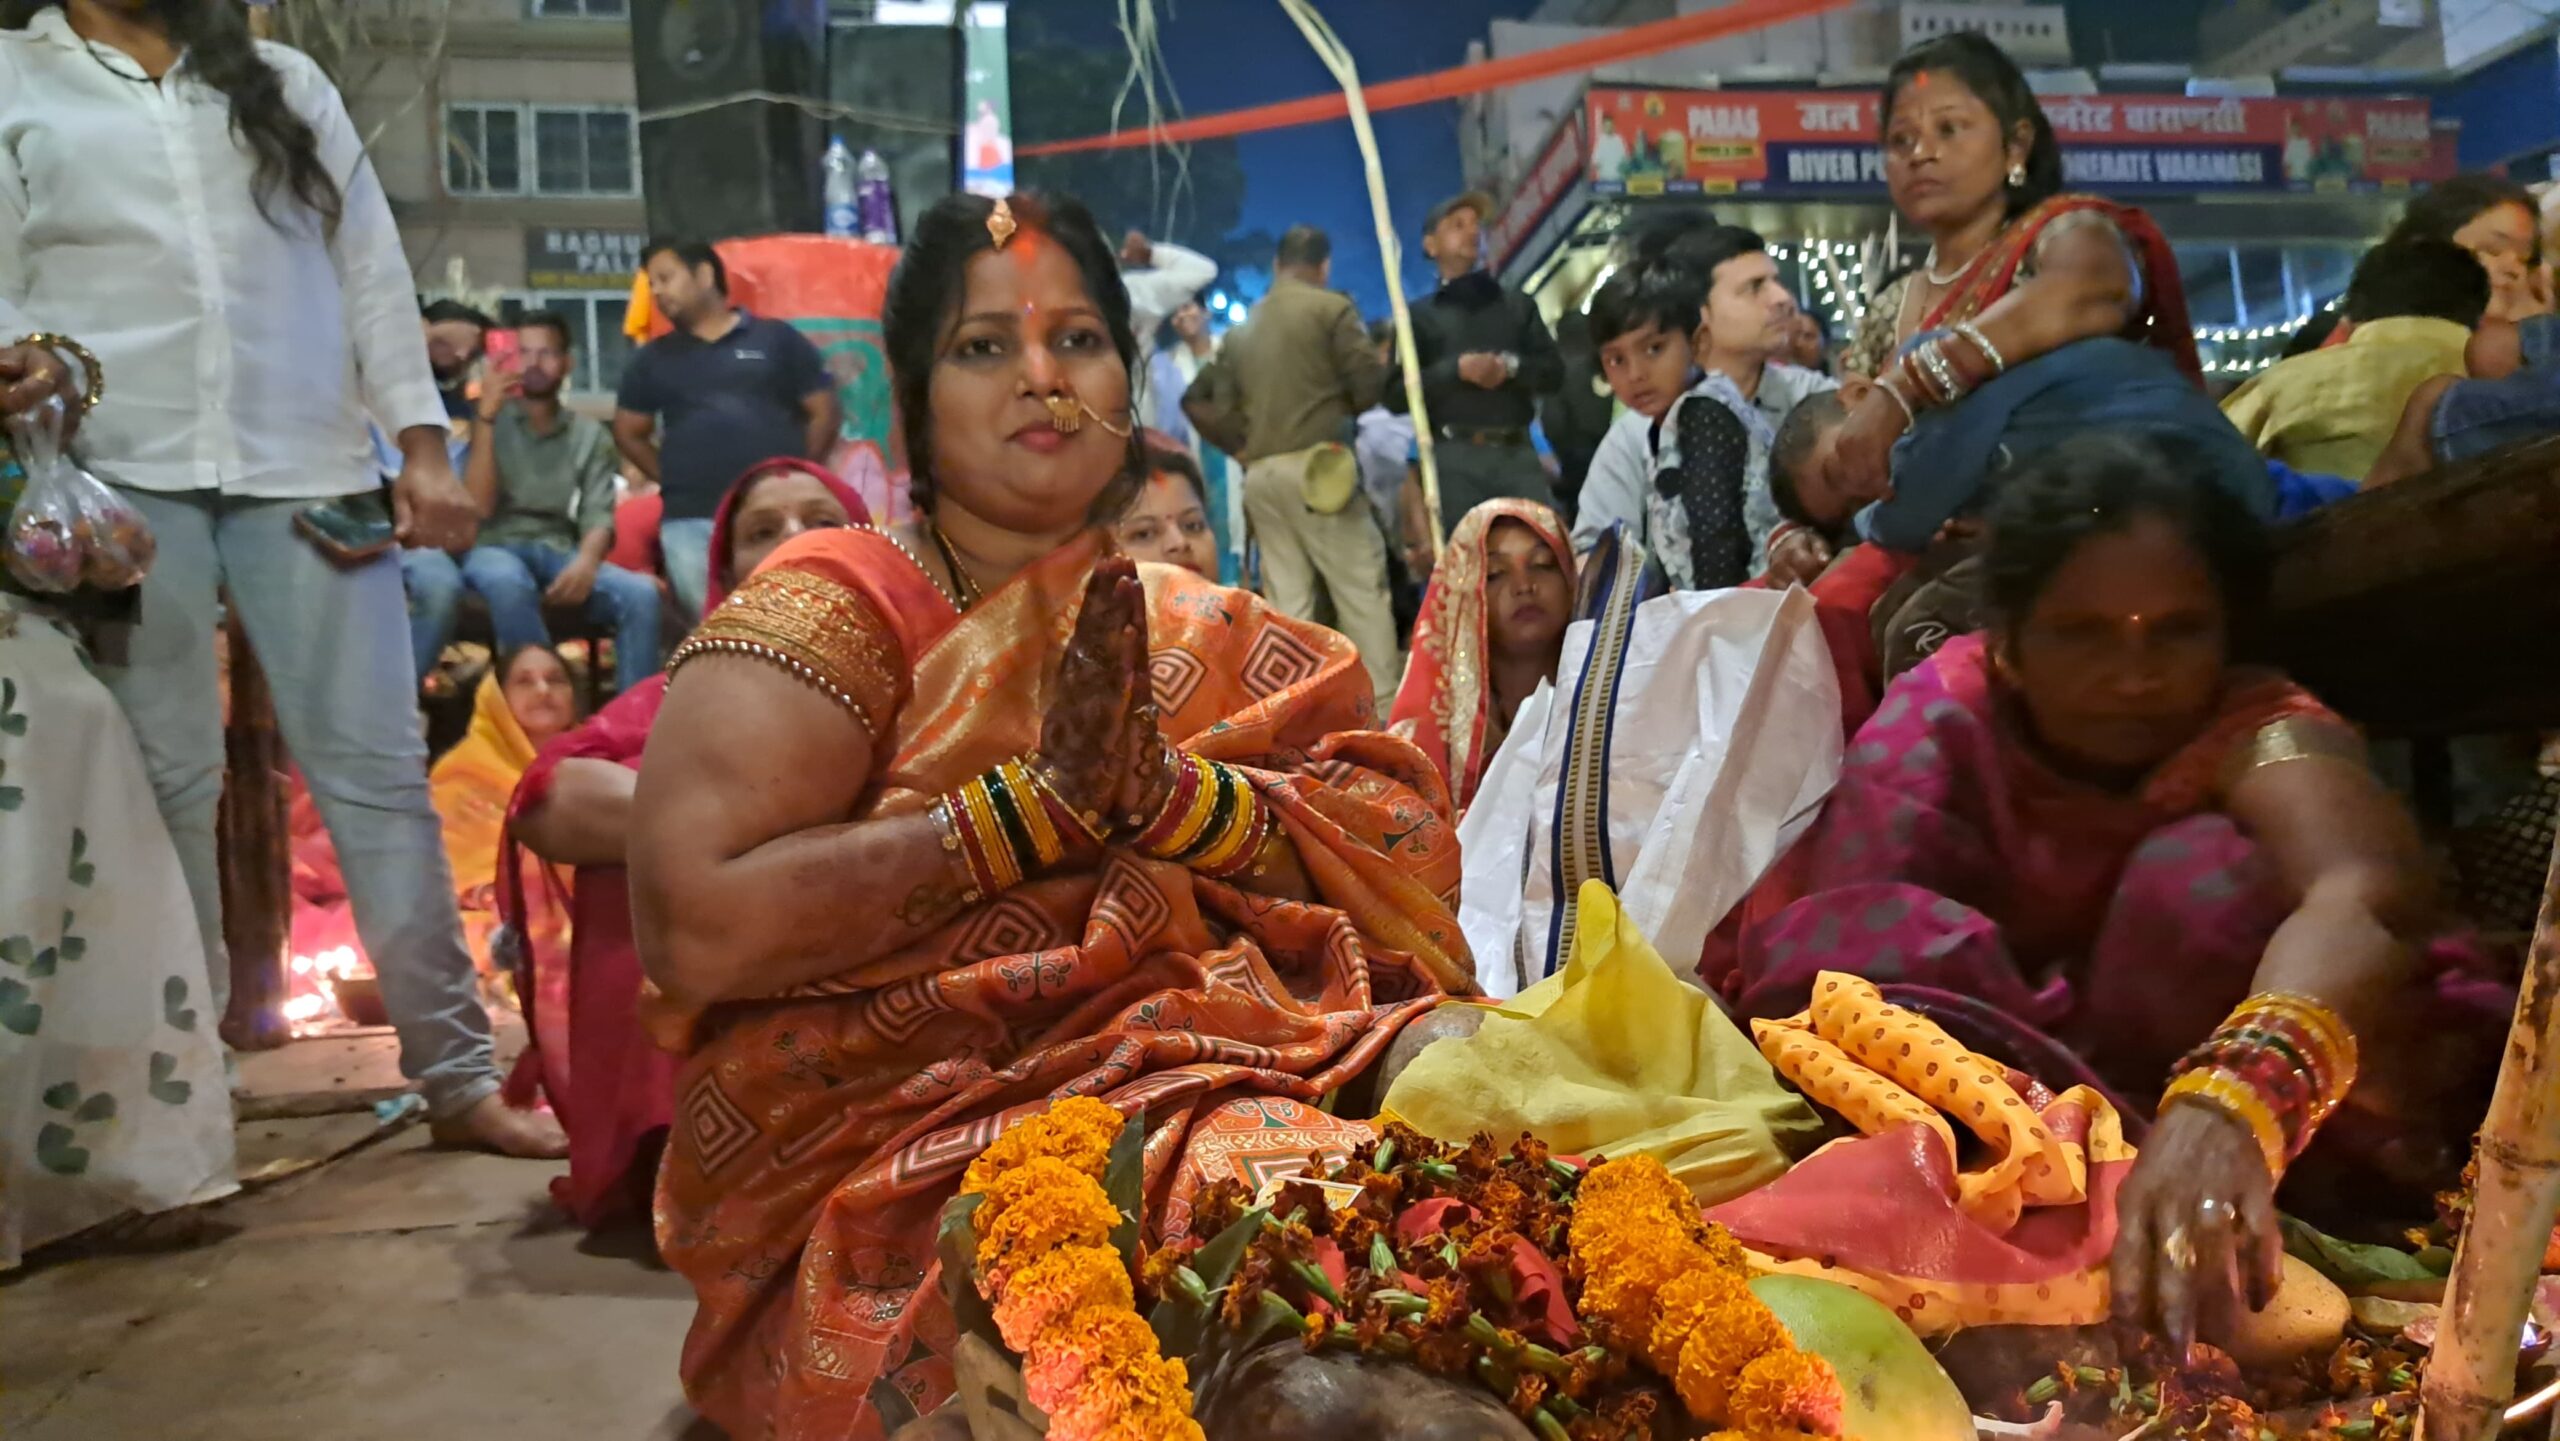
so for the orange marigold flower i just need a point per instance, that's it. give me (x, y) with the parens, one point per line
(1078, 1130)
(1037, 1209)
(1623, 1271)
(1701, 1296)
(1643, 1178)
(1788, 1390)
(1093, 1340)
(1127, 1397)
(1052, 1288)
(1722, 1249)
(1716, 1353)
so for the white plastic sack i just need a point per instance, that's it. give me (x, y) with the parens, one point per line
(1709, 746)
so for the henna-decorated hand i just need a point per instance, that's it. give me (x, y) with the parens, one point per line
(1085, 737)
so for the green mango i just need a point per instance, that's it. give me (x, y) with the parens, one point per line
(1896, 1389)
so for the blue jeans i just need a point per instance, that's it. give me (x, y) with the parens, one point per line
(433, 580)
(331, 643)
(511, 579)
(684, 546)
(2474, 417)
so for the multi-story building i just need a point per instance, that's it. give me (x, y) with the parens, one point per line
(507, 139)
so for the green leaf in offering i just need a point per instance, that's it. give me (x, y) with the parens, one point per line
(956, 1242)
(1217, 1261)
(2353, 1266)
(1125, 1182)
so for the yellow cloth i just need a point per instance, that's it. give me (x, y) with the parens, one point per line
(1614, 1056)
(472, 784)
(2332, 412)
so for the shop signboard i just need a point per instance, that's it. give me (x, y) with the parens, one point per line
(1814, 143)
(1548, 181)
(570, 257)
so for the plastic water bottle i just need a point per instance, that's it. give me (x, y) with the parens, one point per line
(843, 217)
(874, 199)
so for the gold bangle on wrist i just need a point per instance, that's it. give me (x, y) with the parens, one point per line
(94, 374)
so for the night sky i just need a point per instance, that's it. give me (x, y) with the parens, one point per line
(1227, 54)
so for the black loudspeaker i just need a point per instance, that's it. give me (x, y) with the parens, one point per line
(716, 163)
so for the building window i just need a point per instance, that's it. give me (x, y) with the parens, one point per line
(585, 151)
(541, 150)
(581, 9)
(484, 150)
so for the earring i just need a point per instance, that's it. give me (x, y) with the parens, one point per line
(2018, 177)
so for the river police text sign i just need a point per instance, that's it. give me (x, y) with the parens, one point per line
(1676, 142)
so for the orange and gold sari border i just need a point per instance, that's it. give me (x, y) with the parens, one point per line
(819, 631)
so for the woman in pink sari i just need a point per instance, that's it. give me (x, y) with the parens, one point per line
(572, 810)
(2079, 840)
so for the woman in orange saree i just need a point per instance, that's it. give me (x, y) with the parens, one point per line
(865, 875)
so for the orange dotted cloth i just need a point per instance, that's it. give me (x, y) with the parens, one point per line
(1886, 1071)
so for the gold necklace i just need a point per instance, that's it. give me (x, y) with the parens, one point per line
(917, 561)
(960, 576)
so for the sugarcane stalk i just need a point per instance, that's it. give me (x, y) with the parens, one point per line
(2472, 1370)
(1337, 59)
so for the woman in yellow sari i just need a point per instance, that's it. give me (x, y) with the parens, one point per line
(521, 704)
(523, 701)
(941, 823)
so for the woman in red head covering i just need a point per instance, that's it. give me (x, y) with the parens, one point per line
(570, 810)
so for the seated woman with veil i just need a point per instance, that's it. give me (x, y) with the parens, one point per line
(944, 821)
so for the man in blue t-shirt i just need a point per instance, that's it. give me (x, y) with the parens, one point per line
(721, 392)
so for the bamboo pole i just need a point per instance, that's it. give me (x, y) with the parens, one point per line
(2471, 1374)
(1337, 58)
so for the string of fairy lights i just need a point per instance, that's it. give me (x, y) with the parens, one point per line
(1832, 276)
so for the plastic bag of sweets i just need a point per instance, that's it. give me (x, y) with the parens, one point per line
(69, 527)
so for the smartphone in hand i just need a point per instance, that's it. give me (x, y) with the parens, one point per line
(349, 531)
(503, 350)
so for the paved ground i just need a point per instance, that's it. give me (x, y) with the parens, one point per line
(395, 1291)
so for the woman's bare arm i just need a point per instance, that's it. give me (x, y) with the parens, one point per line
(2084, 286)
(2349, 853)
(585, 817)
(2412, 450)
(746, 878)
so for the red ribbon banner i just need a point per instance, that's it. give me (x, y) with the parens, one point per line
(1740, 19)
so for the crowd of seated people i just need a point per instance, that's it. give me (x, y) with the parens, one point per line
(1987, 735)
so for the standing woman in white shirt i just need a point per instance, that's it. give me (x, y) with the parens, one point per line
(196, 207)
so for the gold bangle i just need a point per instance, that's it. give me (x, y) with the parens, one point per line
(1222, 851)
(1002, 864)
(1088, 822)
(96, 388)
(2233, 1097)
(1204, 801)
(1045, 841)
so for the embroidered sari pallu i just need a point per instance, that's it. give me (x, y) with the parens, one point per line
(819, 1133)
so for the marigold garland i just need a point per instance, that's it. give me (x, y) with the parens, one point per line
(1061, 1294)
(1661, 1283)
